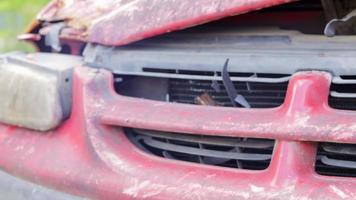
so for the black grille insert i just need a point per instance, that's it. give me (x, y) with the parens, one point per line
(260, 90)
(267, 91)
(335, 159)
(243, 153)
(343, 96)
(258, 95)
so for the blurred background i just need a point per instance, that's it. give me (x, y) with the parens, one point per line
(15, 16)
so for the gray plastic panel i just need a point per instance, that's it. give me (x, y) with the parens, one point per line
(263, 50)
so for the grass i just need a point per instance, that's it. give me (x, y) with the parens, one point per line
(15, 16)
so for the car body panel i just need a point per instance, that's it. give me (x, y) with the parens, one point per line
(119, 22)
(90, 156)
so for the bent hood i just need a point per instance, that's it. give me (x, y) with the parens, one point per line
(119, 22)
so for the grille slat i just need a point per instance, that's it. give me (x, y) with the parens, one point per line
(212, 140)
(270, 87)
(203, 152)
(336, 159)
(223, 98)
(340, 149)
(261, 95)
(245, 153)
(338, 163)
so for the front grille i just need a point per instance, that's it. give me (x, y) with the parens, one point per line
(187, 86)
(242, 153)
(263, 91)
(336, 159)
(257, 94)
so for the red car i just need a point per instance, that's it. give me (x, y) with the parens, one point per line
(181, 99)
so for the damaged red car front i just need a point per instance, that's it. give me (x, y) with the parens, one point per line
(167, 99)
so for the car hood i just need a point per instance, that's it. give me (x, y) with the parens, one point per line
(119, 22)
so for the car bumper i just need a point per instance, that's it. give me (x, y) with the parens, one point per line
(90, 156)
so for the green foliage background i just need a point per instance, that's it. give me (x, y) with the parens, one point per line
(15, 16)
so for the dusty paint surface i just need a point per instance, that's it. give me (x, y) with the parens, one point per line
(90, 156)
(119, 22)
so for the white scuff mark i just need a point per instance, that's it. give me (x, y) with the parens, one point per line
(339, 192)
(210, 176)
(185, 176)
(158, 104)
(263, 127)
(30, 150)
(302, 119)
(256, 189)
(345, 135)
(106, 5)
(18, 148)
(194, 192)
(148, 188)
(293, 197)
(228, 193)
(337, 128)
(152, 193)
(67, 3)
(135, 189)
(353, 127)
(196, 186)
(288, 191)
(110, 157)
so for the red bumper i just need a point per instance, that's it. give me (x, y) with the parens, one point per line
(90, 156)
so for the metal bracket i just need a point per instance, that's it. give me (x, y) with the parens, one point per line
(330, 28)
(52, 38)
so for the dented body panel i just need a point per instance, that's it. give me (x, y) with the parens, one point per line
(119, 22)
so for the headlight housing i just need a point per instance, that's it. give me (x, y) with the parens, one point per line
(35, 89)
